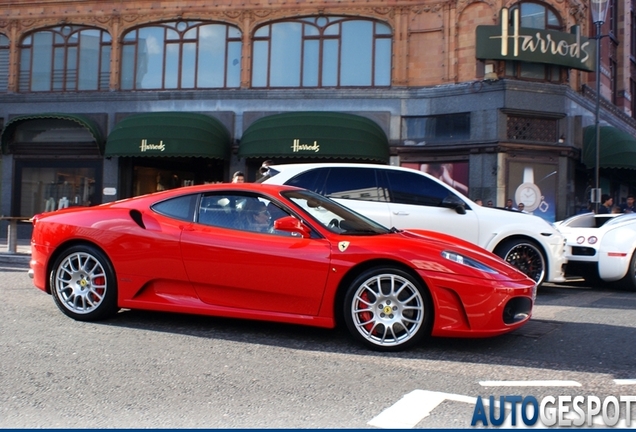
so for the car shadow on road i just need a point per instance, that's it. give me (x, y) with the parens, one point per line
(545, 344)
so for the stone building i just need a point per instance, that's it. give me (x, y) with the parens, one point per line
(107, 99)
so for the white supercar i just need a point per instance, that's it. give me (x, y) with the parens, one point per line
(601, 247)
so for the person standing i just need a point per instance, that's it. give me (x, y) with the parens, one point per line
(238, 177)
(629, 207)
(606, 204)
(509, 205)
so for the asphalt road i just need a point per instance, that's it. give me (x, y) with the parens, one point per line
(156, 370)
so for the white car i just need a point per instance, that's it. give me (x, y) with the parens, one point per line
(601, 247)
(408, 199)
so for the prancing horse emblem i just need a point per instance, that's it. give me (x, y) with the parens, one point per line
(343, 245)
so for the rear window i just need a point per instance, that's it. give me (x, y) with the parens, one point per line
(181, 208)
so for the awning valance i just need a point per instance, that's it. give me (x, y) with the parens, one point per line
(315, 135)
(169, 134)
(48, 129)
(617, 148)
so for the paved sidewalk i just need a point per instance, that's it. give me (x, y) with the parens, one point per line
(22, 255)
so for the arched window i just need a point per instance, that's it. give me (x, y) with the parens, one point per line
(66, 58)
(4, 63)
(539, 16)
(181, 55)
(322, 52)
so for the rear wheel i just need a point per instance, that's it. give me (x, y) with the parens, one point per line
(387, 309)
(83, 284)
(629, 280)
(524, 255)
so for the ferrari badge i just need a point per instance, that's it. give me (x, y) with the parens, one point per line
(343, 245)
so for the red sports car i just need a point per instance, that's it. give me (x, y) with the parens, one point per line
(275, 253)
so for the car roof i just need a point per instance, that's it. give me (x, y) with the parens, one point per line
(271, 189)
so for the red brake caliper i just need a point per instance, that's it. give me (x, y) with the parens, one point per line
(100, 280)
(365, 316)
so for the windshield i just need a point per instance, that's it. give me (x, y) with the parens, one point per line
(333, 216)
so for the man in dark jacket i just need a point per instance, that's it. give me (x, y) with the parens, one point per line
(606, 204)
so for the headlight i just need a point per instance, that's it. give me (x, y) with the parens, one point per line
(461, 259)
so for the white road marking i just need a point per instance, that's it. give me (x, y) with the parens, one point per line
(413, 407)
(625, 381)
(538, 383)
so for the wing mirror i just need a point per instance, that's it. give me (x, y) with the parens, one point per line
(451, 201)
(292, 225)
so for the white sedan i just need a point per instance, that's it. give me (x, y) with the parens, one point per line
(601, 247)
(408, 199)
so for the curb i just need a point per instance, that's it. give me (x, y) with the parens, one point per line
(17, 258)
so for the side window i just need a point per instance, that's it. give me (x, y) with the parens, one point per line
(240, 212)
(218, 210)
(312, 180)
(179, 208)
(411, 188)
(355, 184)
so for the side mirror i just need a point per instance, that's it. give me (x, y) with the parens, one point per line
(451, 201)
(292, 225)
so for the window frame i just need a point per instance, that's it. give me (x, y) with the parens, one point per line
(324, 34)
(551, 73)
(184, 29)
(65, 49)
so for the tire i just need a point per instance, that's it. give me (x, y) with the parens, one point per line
(524, 255)
(83, 284)
(387, 309)
(629, 280)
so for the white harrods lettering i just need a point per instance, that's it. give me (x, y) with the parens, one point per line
(297, 146)
(543, 43)
(145, 146)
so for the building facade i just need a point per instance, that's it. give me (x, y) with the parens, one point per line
(102, 100)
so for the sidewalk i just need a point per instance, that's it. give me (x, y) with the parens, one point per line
(22, 255)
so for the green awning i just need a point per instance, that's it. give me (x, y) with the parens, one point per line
(83, 121)
(169, 134)
(617, 148)
(315, 135)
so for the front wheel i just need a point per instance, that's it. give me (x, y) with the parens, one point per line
(525, 256)
(83, 284)
(387, 309)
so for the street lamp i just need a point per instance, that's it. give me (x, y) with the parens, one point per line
(599, 10)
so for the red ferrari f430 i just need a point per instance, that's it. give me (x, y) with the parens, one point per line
(275, 253)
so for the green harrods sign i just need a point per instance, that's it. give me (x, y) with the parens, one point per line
(533, 45)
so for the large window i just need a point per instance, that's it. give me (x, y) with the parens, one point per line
(4, 63)
(322, 52)
(53, 185)
(66, 58)
(440, 128)
(181, 55)
(539, 16)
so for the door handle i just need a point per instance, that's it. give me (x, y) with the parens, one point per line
(400, 213)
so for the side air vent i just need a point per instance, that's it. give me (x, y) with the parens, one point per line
(136, 216)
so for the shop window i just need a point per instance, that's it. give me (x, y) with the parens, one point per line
(532, 129)
(181, 55)
(539, 16)
(4, 63)
(322, 52)
(440, 128)
(50, 186)
(66, 58)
